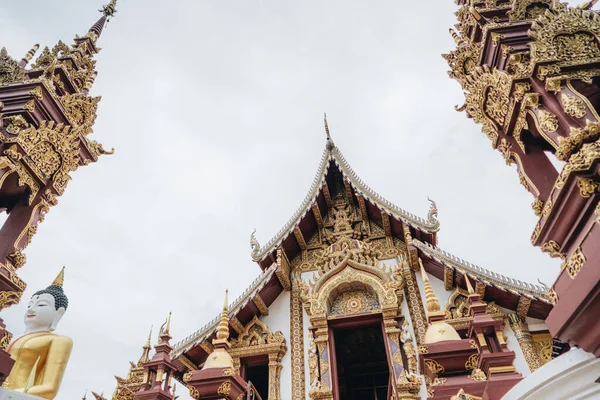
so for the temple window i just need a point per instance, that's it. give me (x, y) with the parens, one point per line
(257, 372)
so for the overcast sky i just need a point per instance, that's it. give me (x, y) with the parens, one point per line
(215, 109)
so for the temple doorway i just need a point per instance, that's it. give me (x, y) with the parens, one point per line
(361, 362)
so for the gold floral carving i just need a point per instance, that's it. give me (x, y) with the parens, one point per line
(354, 302)
(423, 349)
(553, 249)
(537, 206)
(523, 306)
(548, 121)
(552, 296)
(187, 377)
(472, 362)
(5, 341)
(575, 263)
(529, 9)
(487, 98)
(8, 298)
(463, 60)
(194, 392)
(477, 375)
(224, 389)
(543, 343)
(573, 106)
(566, 146)
(434, 366)
(579, 161)
(565, 37)
(587, 187)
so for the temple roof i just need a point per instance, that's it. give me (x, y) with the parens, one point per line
(333, 161)
(481, 274)
(234, 308)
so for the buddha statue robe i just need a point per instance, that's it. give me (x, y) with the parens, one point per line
(53, 352)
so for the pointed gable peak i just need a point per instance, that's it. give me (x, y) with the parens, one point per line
(335, 175)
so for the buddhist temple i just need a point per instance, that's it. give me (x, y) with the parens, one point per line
(354, 296)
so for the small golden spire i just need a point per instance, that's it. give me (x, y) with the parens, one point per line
(60, 279)
(168, 328)
(31, 379)
(432, 302)
(469, 287)
(174, 390)
(330, 144)
(85, 395)
(149, 337)
(223, 329)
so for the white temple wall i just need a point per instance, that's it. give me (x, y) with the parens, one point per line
(279, 320)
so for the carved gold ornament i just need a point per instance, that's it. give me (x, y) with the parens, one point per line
(487, 98)
(472, 362)
(9, 69)
(587, 187)
(573, 106)
(8, 298)
(565, 37)
(194, 392)
(575, 263)
(548, 121)
(224, 389)
(553, 249)
(478, 375)
(435, 366)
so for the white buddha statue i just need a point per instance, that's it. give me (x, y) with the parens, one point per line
(41, 356)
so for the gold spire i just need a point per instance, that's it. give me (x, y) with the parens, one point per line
(223, 329)
(148, 345)
(469, 287)
(31, 379)
(432, 302)
(330, 144)
(60, 278)
(85, 395)
(168, 328)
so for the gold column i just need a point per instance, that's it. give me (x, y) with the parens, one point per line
(519, 326)
(274, 375)
(297, 341)
(323, 390)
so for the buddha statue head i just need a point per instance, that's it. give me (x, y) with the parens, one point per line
(46, 307)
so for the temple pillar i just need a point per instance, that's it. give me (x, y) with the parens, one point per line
(274, 374)
(323, 390)
(521, 330)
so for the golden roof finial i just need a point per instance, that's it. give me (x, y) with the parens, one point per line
(60, 278)
(31, 378)
(469, 287)
(223, 329)
(168, 328)
(432, 302)
(330, 144)
(110, 9)
(149, 337)
(85, 395)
